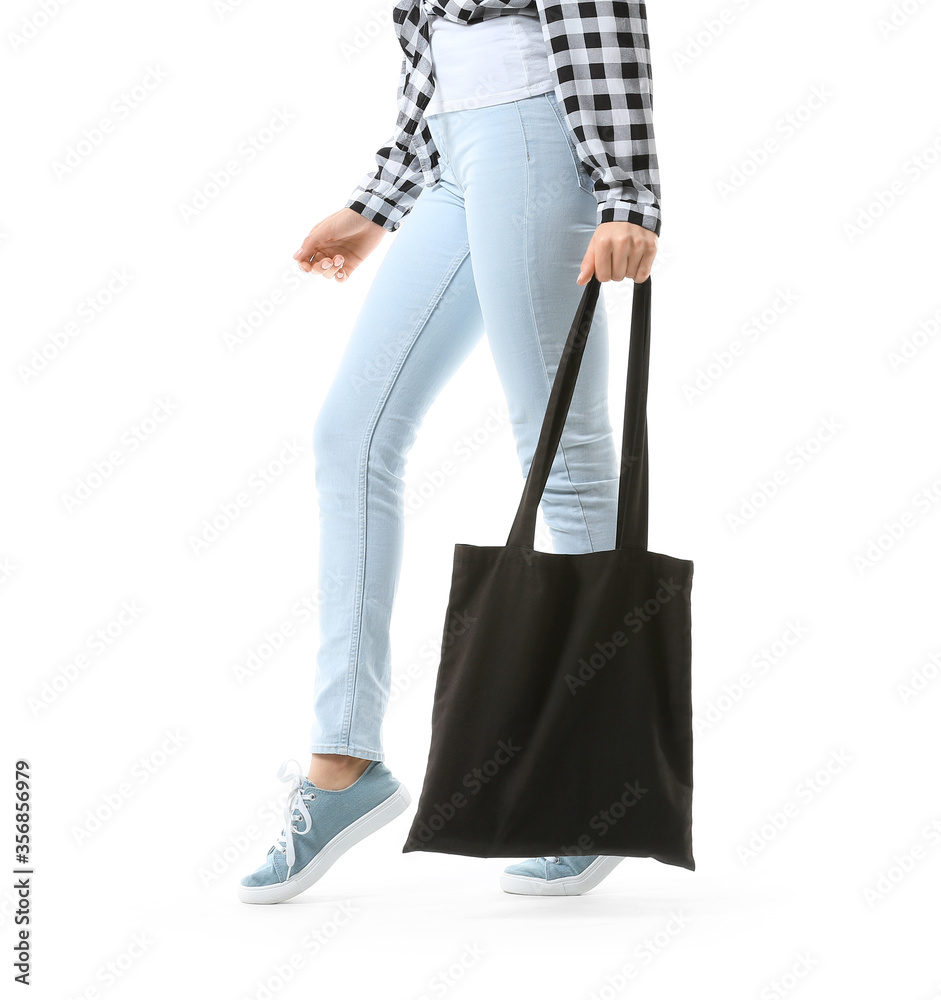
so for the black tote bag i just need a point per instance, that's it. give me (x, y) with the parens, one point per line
(562, 717)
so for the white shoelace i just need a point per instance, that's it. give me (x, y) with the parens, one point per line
(551, 858)
(296, 802)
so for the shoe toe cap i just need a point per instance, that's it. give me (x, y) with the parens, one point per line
(265, 875)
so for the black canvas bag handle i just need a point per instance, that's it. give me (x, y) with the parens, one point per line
(633, 486)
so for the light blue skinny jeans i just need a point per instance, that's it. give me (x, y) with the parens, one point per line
(493, 247)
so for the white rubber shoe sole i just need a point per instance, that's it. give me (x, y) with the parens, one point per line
(368, 823)
(571, 885)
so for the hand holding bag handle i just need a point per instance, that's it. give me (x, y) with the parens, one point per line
(633, 485)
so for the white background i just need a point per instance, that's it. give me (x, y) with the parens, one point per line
(817, 218)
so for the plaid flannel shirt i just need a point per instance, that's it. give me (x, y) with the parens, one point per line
(600, 59)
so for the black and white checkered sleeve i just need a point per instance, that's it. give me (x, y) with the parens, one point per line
(599, 52)
(388, 193)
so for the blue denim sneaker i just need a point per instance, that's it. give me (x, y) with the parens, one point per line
(335, 821)
(553, 876)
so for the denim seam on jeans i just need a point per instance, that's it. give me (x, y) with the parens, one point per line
(530, 259)
(353, 667)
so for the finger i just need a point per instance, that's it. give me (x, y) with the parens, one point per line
(587, 267)
(323, 264)
(305, 252)
(621, 260)
(310, 264)
(603, 263)
(308, 259)
(645, 266)
(328, 266)
(638, 266)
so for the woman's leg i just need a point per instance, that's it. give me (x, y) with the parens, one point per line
(530, 216)
(418, 322)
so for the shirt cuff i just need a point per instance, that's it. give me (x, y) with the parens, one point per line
(615, 209)
(377, 209)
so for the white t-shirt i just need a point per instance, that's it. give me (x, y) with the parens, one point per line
(489, 62)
